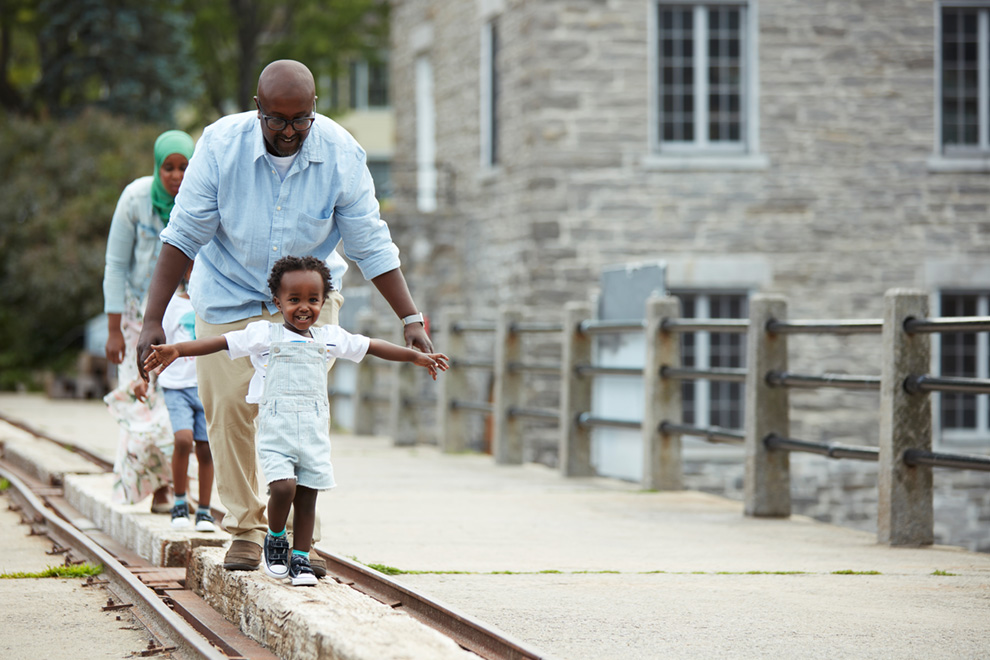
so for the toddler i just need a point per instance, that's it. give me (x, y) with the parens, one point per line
(290, 386)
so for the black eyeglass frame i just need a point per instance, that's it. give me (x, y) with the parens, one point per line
(282, 122)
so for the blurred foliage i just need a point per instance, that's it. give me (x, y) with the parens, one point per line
(148, 58)
(85, 87)
(60, 182)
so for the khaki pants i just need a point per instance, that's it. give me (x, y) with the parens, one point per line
(223, 384)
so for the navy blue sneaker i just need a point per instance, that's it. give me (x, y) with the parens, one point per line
(276, 553)
(300, 572)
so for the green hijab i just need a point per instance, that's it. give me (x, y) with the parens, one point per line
(168, 143)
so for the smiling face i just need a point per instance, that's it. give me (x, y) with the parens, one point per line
(171, 172)
(285, 91)
(300, 298)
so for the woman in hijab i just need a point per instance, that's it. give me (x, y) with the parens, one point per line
(142, 465)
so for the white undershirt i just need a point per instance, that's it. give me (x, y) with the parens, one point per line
(282, 164)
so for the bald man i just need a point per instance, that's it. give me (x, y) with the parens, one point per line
(279, 181)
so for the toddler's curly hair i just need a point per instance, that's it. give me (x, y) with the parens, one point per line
(290, 264)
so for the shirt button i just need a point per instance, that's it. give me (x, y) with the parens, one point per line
(278, 208)
(274, 248)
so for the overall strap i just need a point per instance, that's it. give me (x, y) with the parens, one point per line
(276, 332)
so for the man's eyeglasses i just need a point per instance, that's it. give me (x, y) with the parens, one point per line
(278, 123)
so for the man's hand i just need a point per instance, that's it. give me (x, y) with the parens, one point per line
(416, 337)
(151, 333)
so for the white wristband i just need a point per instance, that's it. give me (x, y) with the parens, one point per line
(413, 318)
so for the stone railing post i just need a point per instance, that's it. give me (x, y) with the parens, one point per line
(575, 394)
(905, 515)
(452, 422)
(507, 445)
(662, 469)
(364, 383)
(767, 484)
(402, 418)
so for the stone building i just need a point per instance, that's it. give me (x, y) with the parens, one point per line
(826, 151)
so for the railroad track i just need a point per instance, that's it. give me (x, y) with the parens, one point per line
(181, 621)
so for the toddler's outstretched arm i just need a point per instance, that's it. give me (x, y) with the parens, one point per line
(163, 355)
(433, 362)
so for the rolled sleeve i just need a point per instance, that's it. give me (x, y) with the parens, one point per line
(365, 236)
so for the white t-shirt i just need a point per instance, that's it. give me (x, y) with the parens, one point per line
(255, 340)
(179, 323)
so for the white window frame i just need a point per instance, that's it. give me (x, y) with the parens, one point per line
(701, 154)
(362, 81)
(426, 137)
(962, 159)
(981, 432)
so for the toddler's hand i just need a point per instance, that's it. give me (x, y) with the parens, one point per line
(161, 356)
(433, 362)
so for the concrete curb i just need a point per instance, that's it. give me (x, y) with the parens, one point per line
(328, 622)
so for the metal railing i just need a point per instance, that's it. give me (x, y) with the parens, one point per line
(904, 445)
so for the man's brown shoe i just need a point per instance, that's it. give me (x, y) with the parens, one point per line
(242, 556)
(318, 564)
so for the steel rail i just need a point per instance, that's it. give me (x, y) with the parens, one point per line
(714, 434)
(724, 375)
(587, 419)
(467, 631)
(948, 324)
(592, 370)
(536, 367)
(534, 412)
(926, 383)
(472, 364)
(596, 327)
(458, 404)
(473, 326)
(736, 326)
(841, 327)
(536, 327)
(178, 630)
(829, 450)
(788, 379)
(914, 457)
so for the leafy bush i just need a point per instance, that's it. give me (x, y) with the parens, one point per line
(59, 182)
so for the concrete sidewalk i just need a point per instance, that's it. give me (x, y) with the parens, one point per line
(596, 569)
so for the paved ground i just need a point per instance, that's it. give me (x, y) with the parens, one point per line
(596, 569)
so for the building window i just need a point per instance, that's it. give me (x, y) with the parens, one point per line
(965, 355)
(709, 403)
(381, 174)
(964, 99)
(703, 81)
(426, 138)
(367, 85)
(704, 86)
(489, 93)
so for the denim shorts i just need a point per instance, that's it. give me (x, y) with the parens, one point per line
(185, 411)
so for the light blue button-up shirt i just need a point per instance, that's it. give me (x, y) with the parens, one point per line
(237, 217)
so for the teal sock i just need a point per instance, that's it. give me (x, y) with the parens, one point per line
(204, 509)
(277, 535)
(300, 553)
(180, 499)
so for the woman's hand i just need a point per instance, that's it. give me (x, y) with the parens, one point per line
(115, 346)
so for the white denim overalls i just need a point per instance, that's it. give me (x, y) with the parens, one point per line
(294, 414)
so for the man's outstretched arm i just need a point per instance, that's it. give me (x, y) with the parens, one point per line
(171, 266)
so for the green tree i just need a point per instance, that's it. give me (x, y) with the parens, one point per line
(233, 41)
(60, 183)
(128, 57)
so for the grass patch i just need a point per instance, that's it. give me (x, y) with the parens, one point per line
(4, 484)
(74, 571)
(941, 572)
(852, 572)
